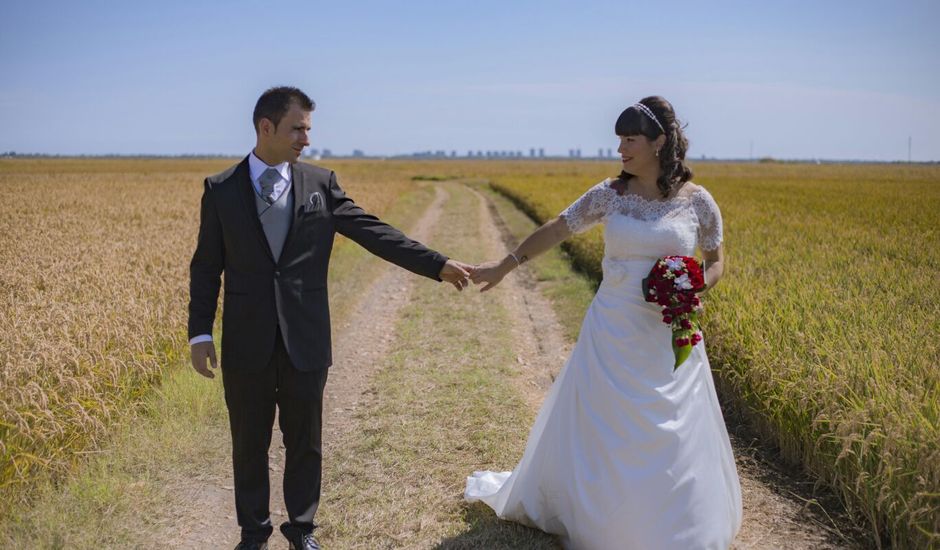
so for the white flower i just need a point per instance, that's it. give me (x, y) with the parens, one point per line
(683, 282)
(674, 264)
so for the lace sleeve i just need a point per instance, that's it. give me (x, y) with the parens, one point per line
(709, 220)
(589, 209)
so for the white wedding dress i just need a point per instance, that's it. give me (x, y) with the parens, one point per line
(627, 453)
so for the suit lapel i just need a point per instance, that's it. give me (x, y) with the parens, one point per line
(247, 192)
(299, 191)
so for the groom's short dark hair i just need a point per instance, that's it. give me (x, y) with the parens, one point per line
(275, 102)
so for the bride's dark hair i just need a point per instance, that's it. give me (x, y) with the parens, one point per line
(633, 121)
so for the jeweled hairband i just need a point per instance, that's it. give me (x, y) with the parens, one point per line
(646, 111)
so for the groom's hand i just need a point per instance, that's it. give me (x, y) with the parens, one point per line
(456, 273)
(199, 354)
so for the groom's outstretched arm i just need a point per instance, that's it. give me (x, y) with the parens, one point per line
(205, 272)
(391, 244)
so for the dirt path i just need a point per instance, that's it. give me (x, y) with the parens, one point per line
(541, 347)
(779, 511)
(774, 515)
(358, 345)
(367, 334)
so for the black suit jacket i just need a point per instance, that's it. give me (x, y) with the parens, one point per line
(261, 294)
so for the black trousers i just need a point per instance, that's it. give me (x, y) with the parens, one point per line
(251, 398)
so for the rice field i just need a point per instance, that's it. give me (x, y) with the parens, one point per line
(94, 275)
(824, 331)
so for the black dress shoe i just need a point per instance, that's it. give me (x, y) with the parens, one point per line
(305, 541)
(252, 545)
(298, 540)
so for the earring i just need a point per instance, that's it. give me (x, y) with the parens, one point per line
(657, 152)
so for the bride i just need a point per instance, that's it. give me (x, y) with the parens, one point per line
(627, 453)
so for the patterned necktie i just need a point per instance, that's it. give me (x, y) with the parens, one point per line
(267, 181)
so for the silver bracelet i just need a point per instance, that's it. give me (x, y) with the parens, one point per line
(513, 256)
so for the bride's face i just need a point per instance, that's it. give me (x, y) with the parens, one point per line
(637, 152)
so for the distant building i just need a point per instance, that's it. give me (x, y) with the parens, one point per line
(358, 153)
(541, 152)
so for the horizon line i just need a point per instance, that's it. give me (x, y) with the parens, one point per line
(766, 159)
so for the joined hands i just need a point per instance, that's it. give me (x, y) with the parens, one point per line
(456, 273)
(488, 274)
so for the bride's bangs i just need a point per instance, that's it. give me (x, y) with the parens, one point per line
(633, 123)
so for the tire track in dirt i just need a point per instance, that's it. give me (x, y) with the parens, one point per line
(367, 336)
(541, 347)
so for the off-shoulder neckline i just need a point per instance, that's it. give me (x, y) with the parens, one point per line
(695, 189)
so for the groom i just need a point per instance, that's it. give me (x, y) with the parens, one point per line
(268, 224)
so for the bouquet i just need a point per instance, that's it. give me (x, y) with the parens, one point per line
(672, 283)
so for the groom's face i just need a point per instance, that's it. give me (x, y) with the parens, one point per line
(288, 139)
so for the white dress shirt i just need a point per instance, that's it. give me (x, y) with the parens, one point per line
(256, 167)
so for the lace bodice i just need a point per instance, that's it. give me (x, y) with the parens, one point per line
(635, 227)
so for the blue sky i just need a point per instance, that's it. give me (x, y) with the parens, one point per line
(832, 79)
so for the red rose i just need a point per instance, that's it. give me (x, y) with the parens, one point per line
(682, 342)
(686, 324)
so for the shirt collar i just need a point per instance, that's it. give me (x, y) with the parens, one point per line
(256, 167)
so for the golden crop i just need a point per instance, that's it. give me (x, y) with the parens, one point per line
(94, 274)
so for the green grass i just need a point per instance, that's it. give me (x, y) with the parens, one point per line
(824, 330)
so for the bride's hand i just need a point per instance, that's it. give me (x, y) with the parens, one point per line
(490, 273)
